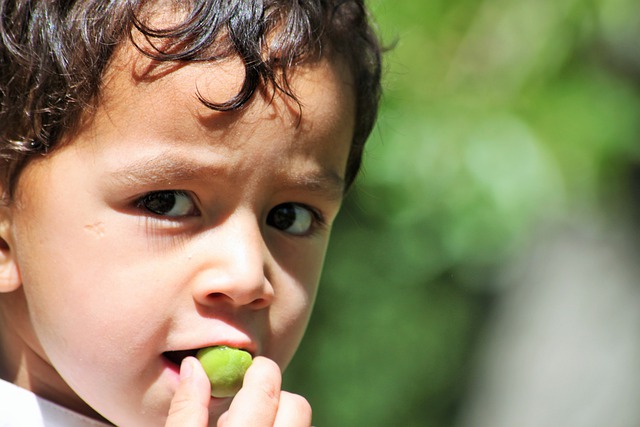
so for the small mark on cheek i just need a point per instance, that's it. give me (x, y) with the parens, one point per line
(97, 229)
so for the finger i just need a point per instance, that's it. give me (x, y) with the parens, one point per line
(190, 405)
(256, 404)
(293, 411)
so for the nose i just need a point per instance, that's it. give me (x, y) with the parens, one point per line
(232, 269)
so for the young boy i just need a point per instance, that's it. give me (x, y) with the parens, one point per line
(170, 173)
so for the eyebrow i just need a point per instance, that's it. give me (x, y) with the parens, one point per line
(326, 182)
(162, 169)
(168, 169)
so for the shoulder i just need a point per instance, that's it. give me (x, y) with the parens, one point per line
(24, 408)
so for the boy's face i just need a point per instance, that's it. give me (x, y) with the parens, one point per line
(164, 226)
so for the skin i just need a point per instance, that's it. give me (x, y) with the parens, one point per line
(95, 287)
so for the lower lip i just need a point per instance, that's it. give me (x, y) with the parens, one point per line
(171, 368)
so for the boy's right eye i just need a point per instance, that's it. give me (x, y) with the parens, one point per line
(168, 203)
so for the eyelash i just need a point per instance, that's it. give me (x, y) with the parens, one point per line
(171, 197)
(317, 220)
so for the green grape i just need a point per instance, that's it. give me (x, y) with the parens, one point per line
(225, 367)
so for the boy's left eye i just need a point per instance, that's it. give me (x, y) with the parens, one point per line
(292, 218)
(170, 203)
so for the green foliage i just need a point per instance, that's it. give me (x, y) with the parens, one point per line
(497, 115)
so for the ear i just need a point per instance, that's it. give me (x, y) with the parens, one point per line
(10, 279)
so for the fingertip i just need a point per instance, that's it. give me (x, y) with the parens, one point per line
(190, 403)
(186, 368)
(191, 379)
(264, 374)
(293, 410)
(259, 396)
(265, 366)
(191, 369)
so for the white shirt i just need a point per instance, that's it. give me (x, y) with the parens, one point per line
(22, 408)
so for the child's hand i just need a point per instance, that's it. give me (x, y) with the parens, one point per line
(259, 403)
(190, 405)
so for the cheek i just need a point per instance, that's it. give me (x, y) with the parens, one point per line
(83, 284)
(292, 308)
(96, 312)
(91, 284)
(287, 328)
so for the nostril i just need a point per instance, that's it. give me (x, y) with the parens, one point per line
(260, 303)
(218, 296)
(223, 285)
(254, 302)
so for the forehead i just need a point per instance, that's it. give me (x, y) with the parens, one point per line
(150, 111)
(324, 91)
(137, 89)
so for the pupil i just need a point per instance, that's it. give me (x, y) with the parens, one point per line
(161, 202)
(284, 217)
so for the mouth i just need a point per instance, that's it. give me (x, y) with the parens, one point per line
(176, 357)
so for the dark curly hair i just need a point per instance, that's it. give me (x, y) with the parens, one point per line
(53, 54)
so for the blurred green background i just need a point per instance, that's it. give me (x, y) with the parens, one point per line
(498, 115)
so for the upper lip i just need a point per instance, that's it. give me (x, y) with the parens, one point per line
(188, 342)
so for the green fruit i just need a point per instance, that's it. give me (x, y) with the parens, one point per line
(225, 367)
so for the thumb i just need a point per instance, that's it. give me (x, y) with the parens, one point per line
(189, 406)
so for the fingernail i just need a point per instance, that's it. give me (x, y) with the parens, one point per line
(186, 368)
